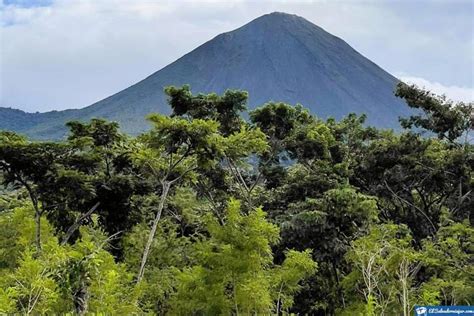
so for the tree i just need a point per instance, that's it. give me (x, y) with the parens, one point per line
(116, 181)
(234, 271)
(384, 266)
(447, 260)
(439, 115)
(278, 121)
(224, 109)
(173, 150)
(82, 277)
(327, 226)
(308, 161)
(236, 172)
(101, 135)
(414, 179)
(360, 221)
(43, 170)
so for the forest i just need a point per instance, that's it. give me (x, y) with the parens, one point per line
(217, 210)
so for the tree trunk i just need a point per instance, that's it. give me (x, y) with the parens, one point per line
(81, 297)
(403, 275)
(38, 213)
(339, 290)
(38, 230)
(166, 186)
(405, 300)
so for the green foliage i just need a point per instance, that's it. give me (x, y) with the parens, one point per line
(34, 289)
(224, 109)
(234, 271)
(286, 278)
(17, 234)
(169, 251)
(52, 281)
(440, 116)
(448, 260)
(209, 214)
(384, 264)
(389, 267)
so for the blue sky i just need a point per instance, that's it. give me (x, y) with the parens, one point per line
(28, 3)
(58, 54)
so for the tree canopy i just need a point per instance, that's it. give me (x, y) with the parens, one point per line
(209, 213)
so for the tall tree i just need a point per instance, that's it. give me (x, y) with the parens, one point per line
(171, 152)
(44, 171)
(448, 120)
(234, 271)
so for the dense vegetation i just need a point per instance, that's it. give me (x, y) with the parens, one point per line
(210, 214)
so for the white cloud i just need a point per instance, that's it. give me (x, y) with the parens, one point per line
(454, 93)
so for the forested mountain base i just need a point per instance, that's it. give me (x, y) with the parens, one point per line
(208, 214)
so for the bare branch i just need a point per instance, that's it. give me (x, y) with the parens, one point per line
(78, 223)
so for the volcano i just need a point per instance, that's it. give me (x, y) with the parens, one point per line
(276, 57)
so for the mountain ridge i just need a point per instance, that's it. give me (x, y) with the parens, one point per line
(276, 57)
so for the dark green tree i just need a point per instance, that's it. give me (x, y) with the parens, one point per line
(448, 120)
(47, 172)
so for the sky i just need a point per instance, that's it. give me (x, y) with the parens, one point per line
(59, 54)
